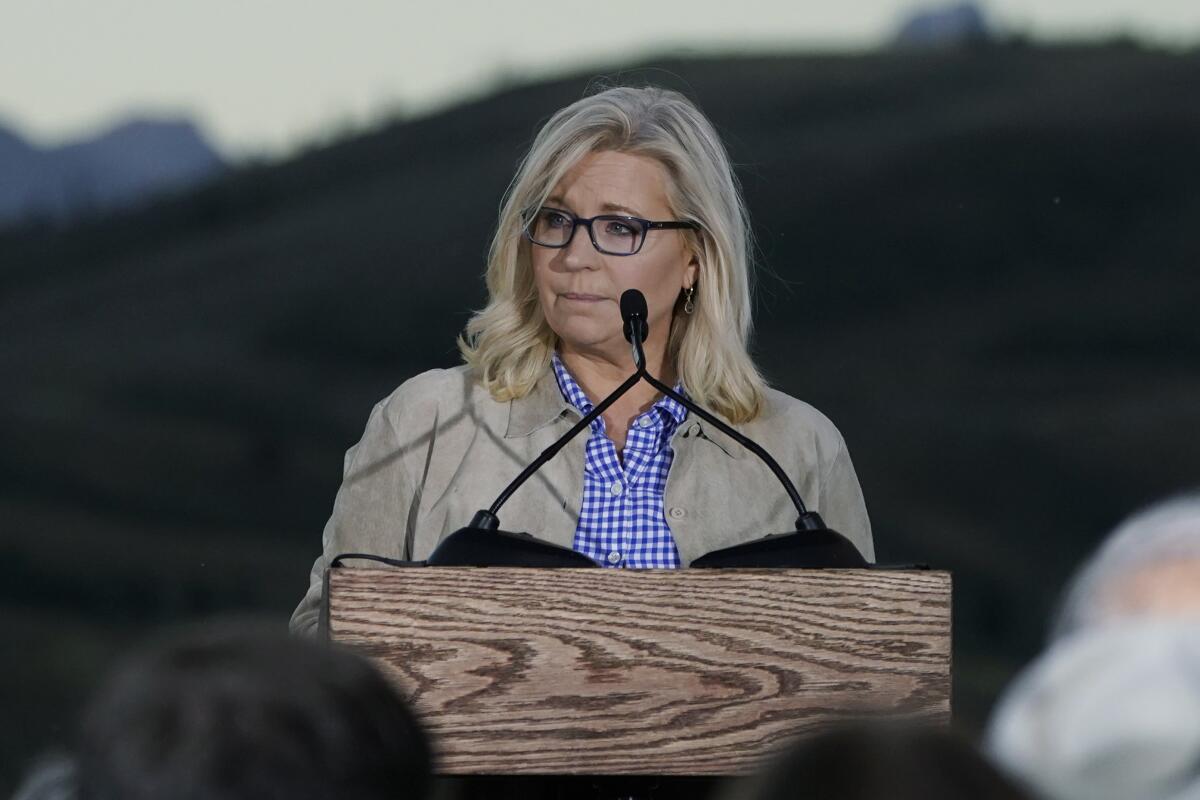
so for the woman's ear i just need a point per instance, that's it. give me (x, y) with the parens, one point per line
(691, 272)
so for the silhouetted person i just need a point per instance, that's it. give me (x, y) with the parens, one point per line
(249, 713)
(883, 761)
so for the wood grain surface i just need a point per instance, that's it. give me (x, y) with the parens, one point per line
(688, 672)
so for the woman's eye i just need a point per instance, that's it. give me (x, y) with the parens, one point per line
(618, 229)
(554, 219)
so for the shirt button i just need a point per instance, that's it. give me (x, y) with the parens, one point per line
(616, 488)
(614, 557)
(677, 513)
(645, 422)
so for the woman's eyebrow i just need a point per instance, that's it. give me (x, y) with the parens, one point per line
(605, 207)
(618, 207)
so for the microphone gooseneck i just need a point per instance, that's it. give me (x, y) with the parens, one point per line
(488, 519)
(807, 520)
(634, 313)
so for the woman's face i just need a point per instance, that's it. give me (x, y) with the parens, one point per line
(580, 288)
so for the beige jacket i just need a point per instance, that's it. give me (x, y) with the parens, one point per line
(439, 448)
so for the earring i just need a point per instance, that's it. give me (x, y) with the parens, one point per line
(689, 305)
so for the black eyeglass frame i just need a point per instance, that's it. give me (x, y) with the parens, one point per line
(647, 224)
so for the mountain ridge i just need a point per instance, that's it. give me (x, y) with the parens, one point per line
(117, 167)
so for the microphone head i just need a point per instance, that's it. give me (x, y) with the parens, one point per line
(633, 307)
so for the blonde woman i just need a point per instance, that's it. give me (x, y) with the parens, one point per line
(627, 188)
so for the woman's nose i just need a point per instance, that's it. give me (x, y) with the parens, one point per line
(579, 252)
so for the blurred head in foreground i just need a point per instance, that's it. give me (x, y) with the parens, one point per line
(1112, 708)
(1111, 712)
(873, 760)
(1148, 568)
(248, 712)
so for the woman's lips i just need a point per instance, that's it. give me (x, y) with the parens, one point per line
(583, 298)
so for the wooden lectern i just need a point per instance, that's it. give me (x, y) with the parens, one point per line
(655, 672)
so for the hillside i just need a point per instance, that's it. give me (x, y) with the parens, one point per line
(981, 264)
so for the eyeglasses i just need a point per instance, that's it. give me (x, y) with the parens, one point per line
(611, 234)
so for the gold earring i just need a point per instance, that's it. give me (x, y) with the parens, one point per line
(689, 305)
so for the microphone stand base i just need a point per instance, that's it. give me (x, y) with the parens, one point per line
(819, 548)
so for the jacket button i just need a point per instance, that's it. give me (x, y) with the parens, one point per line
(677, 513)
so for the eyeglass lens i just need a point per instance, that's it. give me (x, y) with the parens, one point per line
(612, 234)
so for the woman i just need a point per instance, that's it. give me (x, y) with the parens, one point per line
(628, 188)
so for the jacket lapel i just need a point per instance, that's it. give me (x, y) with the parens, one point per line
(547, 506)
(711, 481)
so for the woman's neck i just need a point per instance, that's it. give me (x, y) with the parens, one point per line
(598, 375)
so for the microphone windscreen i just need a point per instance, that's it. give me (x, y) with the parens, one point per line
(633, 303)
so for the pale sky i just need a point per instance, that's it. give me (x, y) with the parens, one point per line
(262, 77)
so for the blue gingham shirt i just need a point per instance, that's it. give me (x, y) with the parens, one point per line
(621, 518)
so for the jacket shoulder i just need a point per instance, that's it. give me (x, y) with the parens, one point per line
(788, 418)
(435, 393)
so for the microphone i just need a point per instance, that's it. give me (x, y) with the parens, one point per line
(635, 315)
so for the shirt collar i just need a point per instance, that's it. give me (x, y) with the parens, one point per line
(569, 388)
(573, 394)
(543, 405)
(547, 402)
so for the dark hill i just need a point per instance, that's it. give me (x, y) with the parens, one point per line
(982, 264)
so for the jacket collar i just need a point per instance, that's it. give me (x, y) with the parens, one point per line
(541, 407)
(704, 432)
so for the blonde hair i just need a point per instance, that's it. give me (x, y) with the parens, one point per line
(509, 342)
